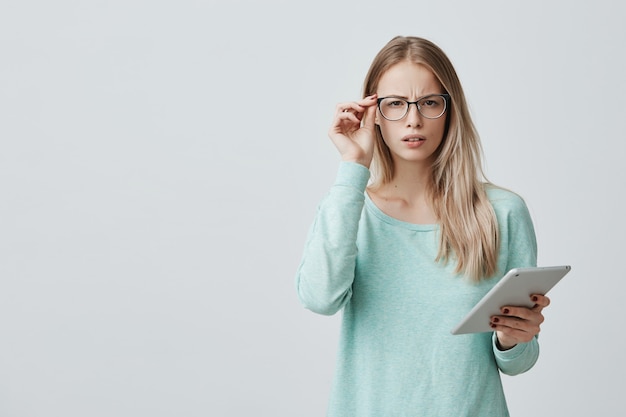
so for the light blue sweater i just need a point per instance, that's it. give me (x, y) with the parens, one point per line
(397, 357)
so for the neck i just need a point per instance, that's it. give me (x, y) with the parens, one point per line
(410, 182)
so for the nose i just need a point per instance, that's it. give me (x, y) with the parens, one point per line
(413, 117)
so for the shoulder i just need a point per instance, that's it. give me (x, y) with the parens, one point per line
(518, 243)
(504, 200)
(508, 206)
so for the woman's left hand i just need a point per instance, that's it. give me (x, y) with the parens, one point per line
(519, 324)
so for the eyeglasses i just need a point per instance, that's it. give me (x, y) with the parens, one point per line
(431, 107)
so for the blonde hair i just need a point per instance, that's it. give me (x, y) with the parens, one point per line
(468, 225)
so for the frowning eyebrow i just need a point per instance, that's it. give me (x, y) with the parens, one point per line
(407, 99)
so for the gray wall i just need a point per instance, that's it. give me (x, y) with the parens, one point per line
(160, 164)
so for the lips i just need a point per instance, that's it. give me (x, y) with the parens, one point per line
(413, 138)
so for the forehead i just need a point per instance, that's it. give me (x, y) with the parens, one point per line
(408, 79)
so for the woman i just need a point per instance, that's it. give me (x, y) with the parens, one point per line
(407, 251)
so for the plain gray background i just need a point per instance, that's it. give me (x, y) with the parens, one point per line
(160, 164)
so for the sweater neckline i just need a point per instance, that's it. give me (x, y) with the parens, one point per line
(373, 208)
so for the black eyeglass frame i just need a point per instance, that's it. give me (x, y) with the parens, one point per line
(445, 96)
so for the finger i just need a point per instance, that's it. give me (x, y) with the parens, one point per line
(505, 321)
(348, 116)
(540, 300)
(344, 124)
(523, 332)
(523, 313)
(368, 101)
(357, 108)
(350, 107)
(512, 337)
(370, 118)
(530, 322)
(514, 311)
(520, 317)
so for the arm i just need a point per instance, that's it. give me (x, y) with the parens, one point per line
(515, 339)
(518, 359)
(515, 343)
(324, 278)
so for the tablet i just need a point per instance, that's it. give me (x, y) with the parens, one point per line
(514, 289)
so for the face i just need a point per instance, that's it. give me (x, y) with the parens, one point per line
(413, 138)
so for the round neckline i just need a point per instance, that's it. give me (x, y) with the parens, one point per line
(375, 210)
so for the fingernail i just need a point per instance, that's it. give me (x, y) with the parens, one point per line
(505, 311)
(495, 320)
(534, 298)
(493, 326)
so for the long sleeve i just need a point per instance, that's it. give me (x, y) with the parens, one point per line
(520, 248)
(326, 273)
(518, 359)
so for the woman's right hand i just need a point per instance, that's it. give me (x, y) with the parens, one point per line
(353, 130)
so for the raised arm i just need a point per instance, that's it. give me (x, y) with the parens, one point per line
(324, 278)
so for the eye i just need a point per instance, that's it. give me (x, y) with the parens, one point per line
(395, 103)
(430, 102)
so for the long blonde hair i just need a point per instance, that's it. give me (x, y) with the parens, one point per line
(468, 225)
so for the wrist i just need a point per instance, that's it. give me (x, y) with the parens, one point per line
(503, 346)
(361, 161)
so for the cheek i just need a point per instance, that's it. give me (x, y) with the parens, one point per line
(439, 129)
